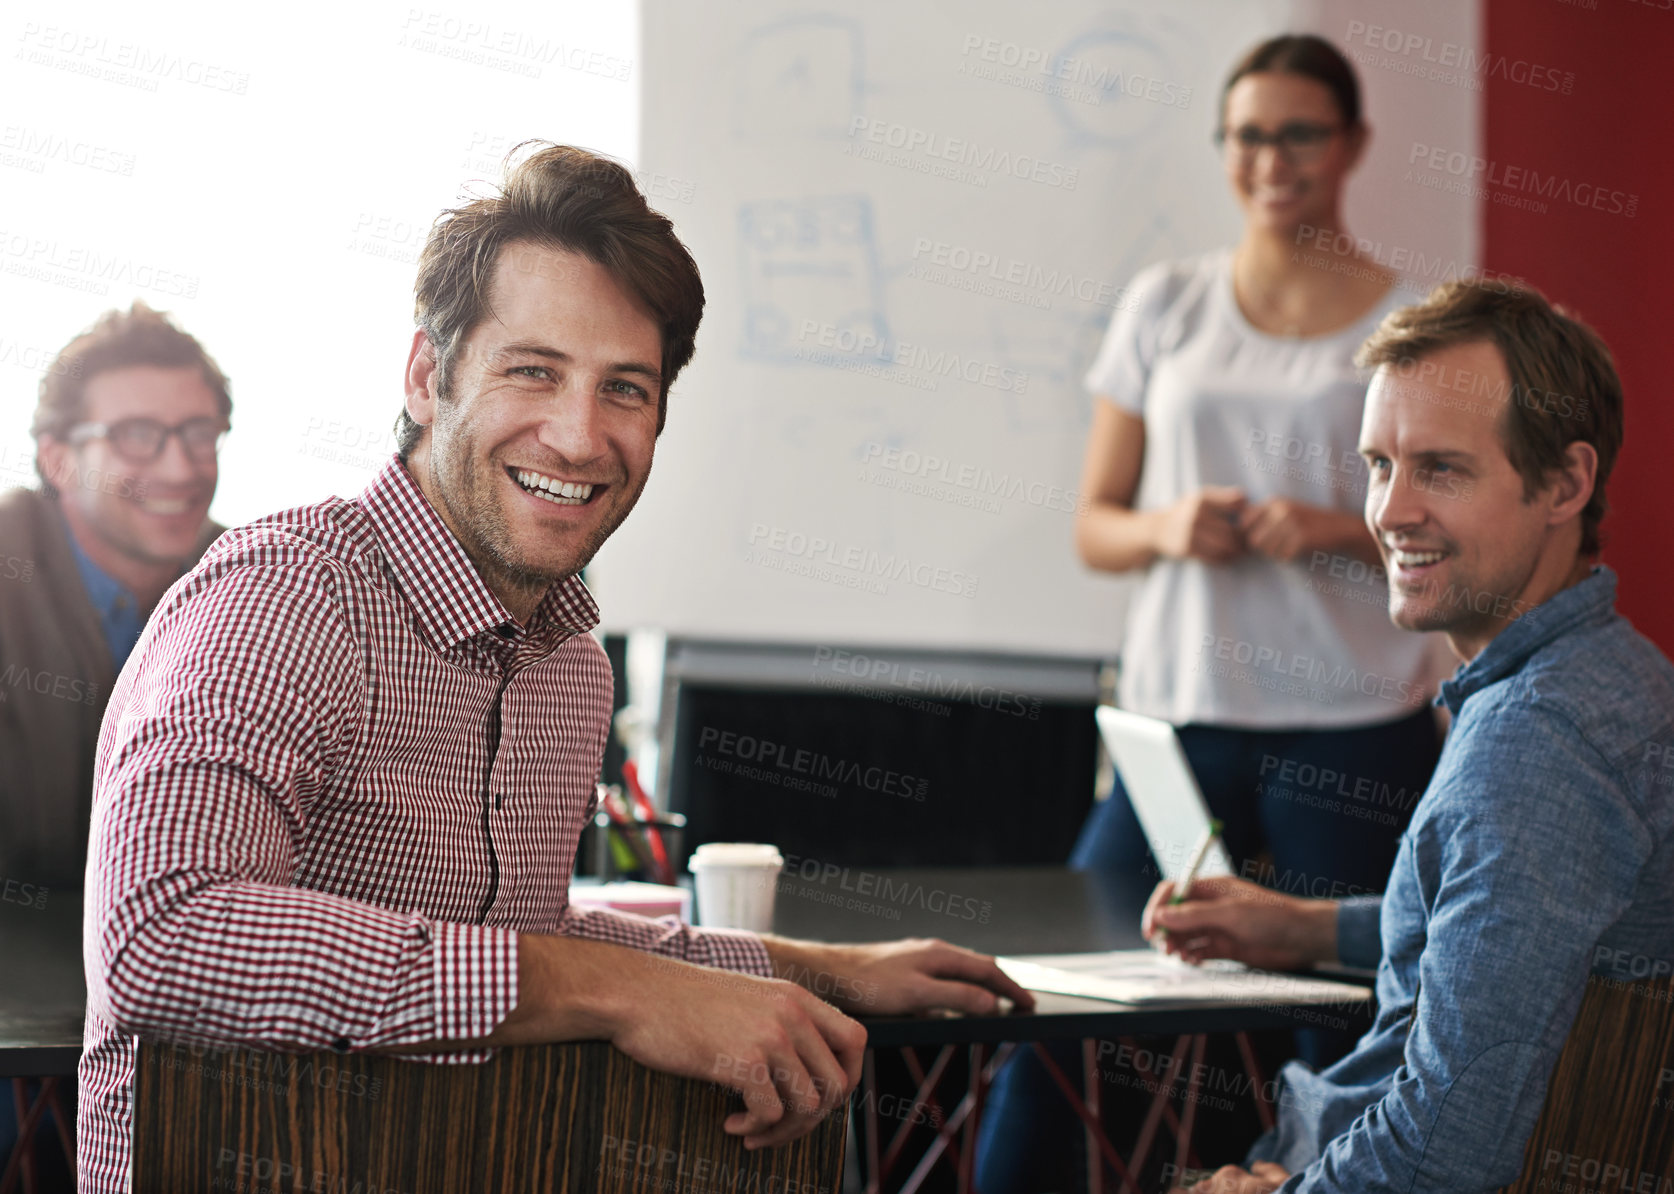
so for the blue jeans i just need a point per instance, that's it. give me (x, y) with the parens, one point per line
(1328, 808)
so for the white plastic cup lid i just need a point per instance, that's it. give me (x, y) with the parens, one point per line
(716, 854)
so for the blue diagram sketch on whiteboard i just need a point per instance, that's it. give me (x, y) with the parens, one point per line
(802, 75)
(810, 279)
(1134, 76)
(1055, 347)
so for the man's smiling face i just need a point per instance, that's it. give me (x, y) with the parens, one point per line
(156, 515)
(540, 437)
(1462, 539)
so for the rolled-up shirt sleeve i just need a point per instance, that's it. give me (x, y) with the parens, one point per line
(1521, 880)
(227, 721)
(726, 949)
(1359, 939)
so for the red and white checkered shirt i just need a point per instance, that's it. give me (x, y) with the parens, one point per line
(334, 782)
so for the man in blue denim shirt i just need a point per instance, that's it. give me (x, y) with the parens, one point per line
(1543, 848)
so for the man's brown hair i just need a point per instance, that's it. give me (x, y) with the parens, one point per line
(564, 198)
(117, 340)
(1564, 387)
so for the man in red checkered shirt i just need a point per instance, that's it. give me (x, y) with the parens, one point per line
(341, 781)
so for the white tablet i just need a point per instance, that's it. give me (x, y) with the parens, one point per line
(1162, 789)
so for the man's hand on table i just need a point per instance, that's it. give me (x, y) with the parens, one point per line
(1225, 917)
(1230, 1179)
(897, 978)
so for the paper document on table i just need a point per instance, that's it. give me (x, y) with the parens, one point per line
(1146, 976)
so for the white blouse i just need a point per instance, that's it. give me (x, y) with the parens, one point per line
(1255, 643)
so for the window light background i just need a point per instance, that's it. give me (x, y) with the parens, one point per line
(267, 176)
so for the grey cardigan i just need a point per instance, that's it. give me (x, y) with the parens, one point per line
(56, 674)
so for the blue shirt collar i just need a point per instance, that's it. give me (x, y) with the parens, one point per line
(119, 613)
(1591, 599)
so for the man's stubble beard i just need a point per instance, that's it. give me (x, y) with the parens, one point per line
(487, 538)
(1462, 618)
(125, 536)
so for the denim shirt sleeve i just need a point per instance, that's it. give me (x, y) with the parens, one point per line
(1523, 860)
(1359, 942)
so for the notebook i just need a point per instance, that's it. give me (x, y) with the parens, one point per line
(1139, 976)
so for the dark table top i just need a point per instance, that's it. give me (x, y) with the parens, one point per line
(1014, 910)
(42, 996)
(1005, 910)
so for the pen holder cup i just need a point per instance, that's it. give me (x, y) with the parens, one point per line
(609, 856)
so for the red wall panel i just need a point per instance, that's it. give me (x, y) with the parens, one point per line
(1604, 246)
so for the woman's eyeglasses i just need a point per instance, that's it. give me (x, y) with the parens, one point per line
(1299, 142)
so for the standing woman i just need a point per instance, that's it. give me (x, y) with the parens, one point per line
(1222, 467)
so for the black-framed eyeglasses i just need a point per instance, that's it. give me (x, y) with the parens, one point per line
(142, 440)
(1299, 142)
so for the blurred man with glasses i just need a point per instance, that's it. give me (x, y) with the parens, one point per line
(130, 416)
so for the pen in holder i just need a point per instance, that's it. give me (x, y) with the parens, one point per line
(629, 846)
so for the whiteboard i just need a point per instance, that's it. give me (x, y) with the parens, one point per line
(914, 222)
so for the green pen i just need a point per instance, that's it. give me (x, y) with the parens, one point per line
(1199, 853)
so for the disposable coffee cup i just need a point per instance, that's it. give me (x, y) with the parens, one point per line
(736, 883)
